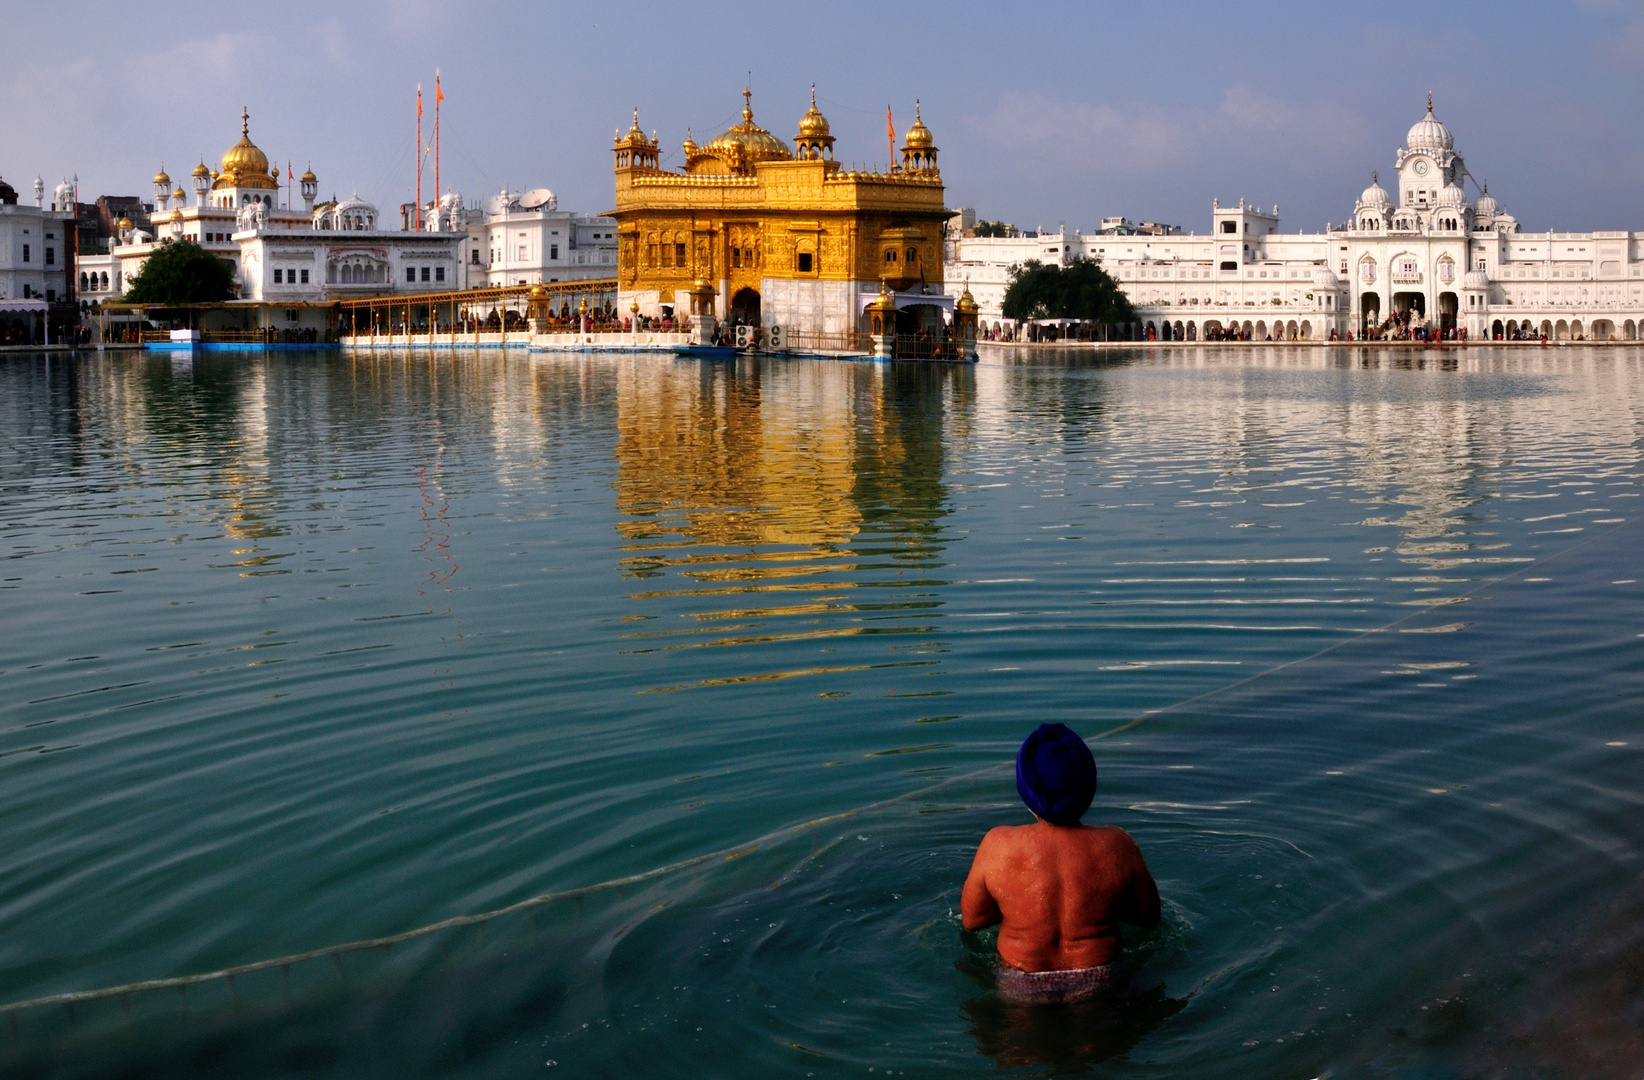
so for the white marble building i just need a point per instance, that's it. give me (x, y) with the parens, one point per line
(525, 239)
(285, 253)
(1423, 254)
(34, 243)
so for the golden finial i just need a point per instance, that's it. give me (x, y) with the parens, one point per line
(916, 116)
(1429, 101)
(747, 106)
(813, 95)
(245, 121)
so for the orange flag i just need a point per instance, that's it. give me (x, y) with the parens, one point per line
(419, 99)
(890, 128)
(439, 94)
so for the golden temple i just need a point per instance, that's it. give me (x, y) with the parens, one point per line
(753, 230)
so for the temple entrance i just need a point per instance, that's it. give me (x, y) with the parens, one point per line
(745, 307)
(1448, 306)
(1411, 306)
(1370, 310)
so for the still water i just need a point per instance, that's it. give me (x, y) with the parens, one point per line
(311, 648)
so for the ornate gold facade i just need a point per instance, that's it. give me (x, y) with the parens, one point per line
(780, 234)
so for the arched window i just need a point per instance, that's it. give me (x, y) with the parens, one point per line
(104, 278)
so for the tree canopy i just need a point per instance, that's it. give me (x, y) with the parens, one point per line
(1080, 290)
(994, 228)
(182, 272)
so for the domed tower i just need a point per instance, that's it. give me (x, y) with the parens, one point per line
(202, 183)
(634, 150)
(162, 188)
(919, 147)
(244, 178)
(815, 141)
(1427, 162)
(1374, 207)
(311, 189)
(1451, 212)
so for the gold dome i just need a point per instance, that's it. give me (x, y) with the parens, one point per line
(176, 215)
(201, 170)
(161, 179)
(918, 136)
(244, 165)
(308, 177)
(813, 124)
(747, 142)
(179, 196)
(123, 223)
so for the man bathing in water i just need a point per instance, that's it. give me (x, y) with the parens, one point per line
(1058, 889)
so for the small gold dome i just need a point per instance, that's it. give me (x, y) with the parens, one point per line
(178, 196)
(813, 124)
(123, 223)
(308, 177)
(918, 136)
(201, 170)
(161, 179)
(689, 145)
(176, 215)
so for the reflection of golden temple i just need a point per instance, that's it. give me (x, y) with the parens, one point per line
(783, 235)
(707, 456)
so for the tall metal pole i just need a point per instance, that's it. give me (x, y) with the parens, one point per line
(439, 96)
(418, 226)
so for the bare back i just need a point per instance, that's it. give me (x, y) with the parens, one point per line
(1058, 893)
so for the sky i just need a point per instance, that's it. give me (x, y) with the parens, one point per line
(1044, 113)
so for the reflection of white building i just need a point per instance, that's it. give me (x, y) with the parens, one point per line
(1423, 253)
(525, 239)
(282, 253)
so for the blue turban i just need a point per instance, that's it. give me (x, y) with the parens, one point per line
(1055, 774)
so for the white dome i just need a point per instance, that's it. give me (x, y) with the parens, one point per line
(1487, 205)
(1375, 196)
(1476, 279)
(1429, 134)
(1451, 195)
(1325, 278)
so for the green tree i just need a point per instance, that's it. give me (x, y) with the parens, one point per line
(994, 228)
(182, 272)
(1080, 290)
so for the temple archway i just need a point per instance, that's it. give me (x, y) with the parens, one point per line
(1448, 306)
(1370, 307)
(745, 306)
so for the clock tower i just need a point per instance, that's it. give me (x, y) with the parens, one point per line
(1427, 163)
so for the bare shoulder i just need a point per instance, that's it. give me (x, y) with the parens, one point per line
(1115, 841)
(1000, 838)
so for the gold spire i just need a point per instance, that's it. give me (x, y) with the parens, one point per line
(918, 136)
(813, 123)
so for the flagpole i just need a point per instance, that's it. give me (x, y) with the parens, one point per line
(439, 96)
(418, 227)
(890, 138)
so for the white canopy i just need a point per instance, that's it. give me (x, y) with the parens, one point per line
(907, 300)
(39, 306)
